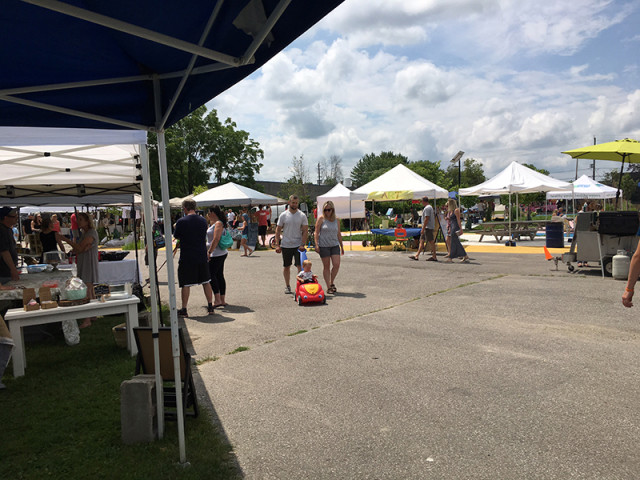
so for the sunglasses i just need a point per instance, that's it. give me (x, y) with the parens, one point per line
(328, 209)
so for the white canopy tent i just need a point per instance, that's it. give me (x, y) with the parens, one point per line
(348, 204)
(36, 173)
(401, 183)
(584, 188)
(232, 194)
(516, 179)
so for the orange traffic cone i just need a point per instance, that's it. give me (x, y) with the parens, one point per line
(547, 254)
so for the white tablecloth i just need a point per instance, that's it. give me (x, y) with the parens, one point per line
(118, 273)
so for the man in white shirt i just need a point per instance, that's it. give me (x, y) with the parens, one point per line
(293, 226)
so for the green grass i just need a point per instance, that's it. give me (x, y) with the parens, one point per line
(296, 333)
(62, 419)
(238, 350)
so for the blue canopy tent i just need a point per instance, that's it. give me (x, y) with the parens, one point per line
(141, 65)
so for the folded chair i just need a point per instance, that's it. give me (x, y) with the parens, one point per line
(400, 237)
(145, 364)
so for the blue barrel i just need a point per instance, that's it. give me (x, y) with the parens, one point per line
(555, 234)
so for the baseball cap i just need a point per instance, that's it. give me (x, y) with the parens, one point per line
(4, 211)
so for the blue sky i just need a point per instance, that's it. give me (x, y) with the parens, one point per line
(502, 80)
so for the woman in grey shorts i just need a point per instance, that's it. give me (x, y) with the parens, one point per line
(329, 244)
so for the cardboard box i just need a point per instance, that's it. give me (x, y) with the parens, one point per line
(29, 294)
(46, 299)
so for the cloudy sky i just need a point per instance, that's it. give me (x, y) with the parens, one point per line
(502, 80)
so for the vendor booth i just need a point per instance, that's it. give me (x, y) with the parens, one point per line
(152, 70)
(515, 178)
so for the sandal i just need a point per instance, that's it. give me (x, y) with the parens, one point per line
(332, 288)
(182, 312)
(211, 309)
(413, 257)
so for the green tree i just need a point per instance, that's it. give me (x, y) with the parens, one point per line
(199, 146)
(235, 156)
(298, 182)
(199, 189)
(629, 184)
(371, 166)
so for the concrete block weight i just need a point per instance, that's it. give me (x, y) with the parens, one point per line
(138, 409)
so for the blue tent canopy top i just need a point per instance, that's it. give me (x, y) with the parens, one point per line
(141, 64)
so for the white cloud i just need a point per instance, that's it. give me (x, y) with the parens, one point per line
(360, 92)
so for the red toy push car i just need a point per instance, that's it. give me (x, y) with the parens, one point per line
(310, 292)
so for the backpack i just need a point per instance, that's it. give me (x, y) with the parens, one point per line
(226, 240)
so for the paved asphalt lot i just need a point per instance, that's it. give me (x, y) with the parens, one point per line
(498, 369)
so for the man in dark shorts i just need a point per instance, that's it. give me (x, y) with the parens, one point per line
(193, 266)
(294, 228)
(427, 234)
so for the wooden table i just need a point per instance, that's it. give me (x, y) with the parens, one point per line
(18, 319)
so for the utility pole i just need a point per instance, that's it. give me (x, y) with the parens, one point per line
(319, 181)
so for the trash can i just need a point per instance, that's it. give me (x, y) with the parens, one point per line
(555, 234)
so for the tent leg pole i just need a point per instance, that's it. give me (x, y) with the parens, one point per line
(148, 226)
(171, 281)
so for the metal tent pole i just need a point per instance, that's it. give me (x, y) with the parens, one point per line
(171, 280)
(155, 319)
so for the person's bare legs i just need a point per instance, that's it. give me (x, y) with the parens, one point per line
(184, 293)
(243, 243)
(208, 292)
(335, 260)
(420, 250)
(432, 244)
(326, 271)
(91, 294)
(286, 273)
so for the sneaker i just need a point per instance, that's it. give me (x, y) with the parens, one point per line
(182, 312)
(287, 289)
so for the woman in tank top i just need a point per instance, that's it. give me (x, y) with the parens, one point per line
(329, 246)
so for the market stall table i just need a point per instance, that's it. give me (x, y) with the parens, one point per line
(35, 281)
(18, 318)
(118, 272)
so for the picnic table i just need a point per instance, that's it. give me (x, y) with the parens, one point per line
(519, 229)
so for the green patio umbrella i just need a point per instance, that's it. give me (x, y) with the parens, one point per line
(617, 151)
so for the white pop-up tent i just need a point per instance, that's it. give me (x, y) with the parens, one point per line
(348, 204)
(232, 194)
(401, 183)
(74, 163)
(584, 188)
(516, 179)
